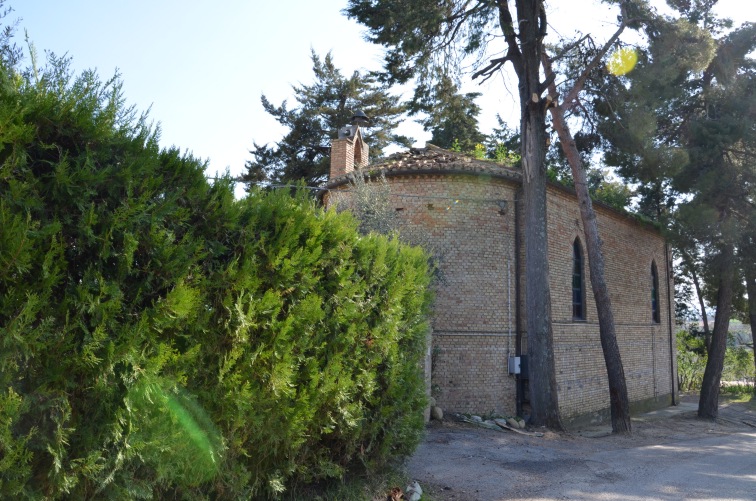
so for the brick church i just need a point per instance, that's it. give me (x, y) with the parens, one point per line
(470, 212)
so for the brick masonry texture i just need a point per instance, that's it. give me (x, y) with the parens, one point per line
(630, 249)
(348, 153)
(342, 157)
(465, 211)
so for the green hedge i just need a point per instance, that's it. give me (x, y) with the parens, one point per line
(163, 340)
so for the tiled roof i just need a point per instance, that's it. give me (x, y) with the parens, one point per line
(433, 160)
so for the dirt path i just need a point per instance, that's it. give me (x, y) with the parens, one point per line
(671, 455)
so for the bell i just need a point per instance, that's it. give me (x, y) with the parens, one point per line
(359, 118)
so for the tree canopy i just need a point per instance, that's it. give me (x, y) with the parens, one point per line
(321, 109)
(681, 124)
(450, 116)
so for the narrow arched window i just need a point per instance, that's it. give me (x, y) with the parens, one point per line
(578, 282)
(655, 294)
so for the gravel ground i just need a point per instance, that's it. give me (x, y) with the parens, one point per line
(670, 455)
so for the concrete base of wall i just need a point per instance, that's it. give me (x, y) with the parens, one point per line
(650, 404)
(603, 416)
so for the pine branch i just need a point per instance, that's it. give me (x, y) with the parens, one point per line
(570, 97)
(507, 27)
(493, 66)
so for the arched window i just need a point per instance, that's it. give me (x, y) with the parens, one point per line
(578, 282)
(655, 294)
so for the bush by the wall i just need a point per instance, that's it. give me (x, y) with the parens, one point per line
(160, 339)
(323, 338)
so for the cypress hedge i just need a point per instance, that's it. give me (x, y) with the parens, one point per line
(160, 339)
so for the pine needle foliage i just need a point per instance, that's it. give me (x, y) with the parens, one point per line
(159, 339)
(320, 110)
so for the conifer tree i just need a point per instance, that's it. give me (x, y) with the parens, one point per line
(89, 205)
(503, 143)
(679, 123)
(559, 109)
(439, 35)
(321, 109)
(451, 117)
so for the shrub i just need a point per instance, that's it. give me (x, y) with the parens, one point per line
(323, 338)
(738, 390)
(737, 372)
(691, 361)
(738, 366)
(160, 339)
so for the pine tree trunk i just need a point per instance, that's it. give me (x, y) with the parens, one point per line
(619, 402)
(702, 306)
(688, 262)
(708, 402)
(543, 386)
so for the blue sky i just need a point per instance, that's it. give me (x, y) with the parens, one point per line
(202, 66)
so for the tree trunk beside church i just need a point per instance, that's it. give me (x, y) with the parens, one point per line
(543, 386)
(618, 398)
(691, 266)
(708, 403)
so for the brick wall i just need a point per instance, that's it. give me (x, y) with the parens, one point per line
(342, 157)
(348, 153)
(474, 328)
(629, 249)
(474, 311)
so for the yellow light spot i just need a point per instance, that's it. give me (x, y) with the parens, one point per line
(622, 61)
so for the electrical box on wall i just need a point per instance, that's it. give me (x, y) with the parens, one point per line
(514, 365)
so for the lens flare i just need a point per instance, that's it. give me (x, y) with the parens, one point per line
(173, 432)
(622, 61)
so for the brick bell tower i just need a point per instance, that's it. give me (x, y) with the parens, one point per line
(349, 151)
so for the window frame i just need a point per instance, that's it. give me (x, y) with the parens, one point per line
(655, 305)
(578, 274)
